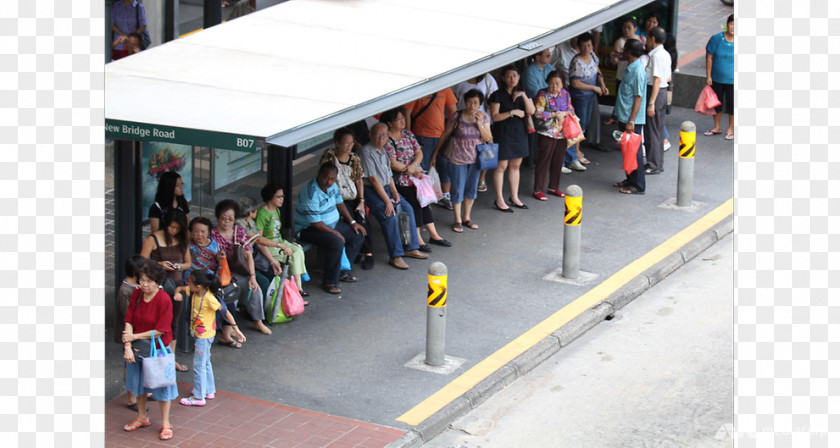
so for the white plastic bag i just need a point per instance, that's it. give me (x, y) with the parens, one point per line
(425, 190)
(433, 174)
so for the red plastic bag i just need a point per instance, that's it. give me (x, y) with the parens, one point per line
(630, 143)
(707, 101)
(224, 272)
(571, 127)
(291, 302)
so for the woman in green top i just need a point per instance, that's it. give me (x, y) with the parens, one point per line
(269, 225)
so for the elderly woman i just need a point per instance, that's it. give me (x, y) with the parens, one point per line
(509, 106)
(553, 104)
(587, 84)
(468, 128)
(227, 235)
(150, 310)
(349, 179)
(720, 74)
(168, 246)
(281, 251)
(405, 154)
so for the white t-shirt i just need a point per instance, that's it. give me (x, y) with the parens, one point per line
(486, 85)
(658, 66)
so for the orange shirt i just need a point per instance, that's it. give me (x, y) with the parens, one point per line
(432, 122)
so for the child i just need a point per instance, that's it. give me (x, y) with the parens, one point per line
(203, 326)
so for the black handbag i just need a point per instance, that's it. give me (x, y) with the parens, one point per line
(239, 262)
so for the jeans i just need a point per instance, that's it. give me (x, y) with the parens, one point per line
(464, 182)
(429, 144)
(390, 225)
(583, 110)
(331, 246)
(203, 381)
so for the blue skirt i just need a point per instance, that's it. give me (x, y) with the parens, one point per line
(134, 383)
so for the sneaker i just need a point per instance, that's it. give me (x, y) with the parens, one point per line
(577, 166)
(667, 146)
(445, 203)
(565, 170)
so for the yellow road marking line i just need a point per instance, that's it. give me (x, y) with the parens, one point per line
(504, 355)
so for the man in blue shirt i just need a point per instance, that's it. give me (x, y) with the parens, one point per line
(631, 115)
(317, 220)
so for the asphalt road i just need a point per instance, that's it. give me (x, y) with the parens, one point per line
(660, 374)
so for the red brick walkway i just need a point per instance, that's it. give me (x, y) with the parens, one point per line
(232, 420)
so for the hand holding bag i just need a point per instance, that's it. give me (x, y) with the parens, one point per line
(425, 190)
(573, 123)
(159, 367)
(630, 143)
(707, 101)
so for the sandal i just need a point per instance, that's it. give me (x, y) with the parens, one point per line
(557, 193)
(347, 278)
(609, 121)
(303, 293)
(166, 433)
(331, 289)
(712, 132)
(181, 368)
(137, 424)
(231, 344)
(622, 184)
(470, 225)
(482, 186)
(190, 401)
(729, 137)
(541, 196)
(652, 172)
(584, 160)
(631, 190)
(457, 227)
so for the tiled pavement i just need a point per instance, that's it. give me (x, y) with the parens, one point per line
(698, 20)
(232, 421)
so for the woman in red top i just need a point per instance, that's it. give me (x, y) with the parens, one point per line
(150, 309)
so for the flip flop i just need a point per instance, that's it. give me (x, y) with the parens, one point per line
(347, 278)
(712, 132)
(231, 344)
(190, 401)
(729, 137)
(181, 367)
(331, 289)
(584, 160)
(137, 424)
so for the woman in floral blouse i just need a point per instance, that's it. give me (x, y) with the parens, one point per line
(552, 105)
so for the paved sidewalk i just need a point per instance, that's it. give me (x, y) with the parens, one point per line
(233, 420)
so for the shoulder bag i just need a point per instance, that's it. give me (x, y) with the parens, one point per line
(146, 38)
(239, 261)
(159, 367)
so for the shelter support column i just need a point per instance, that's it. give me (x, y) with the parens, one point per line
(280, 161)
(128, 217)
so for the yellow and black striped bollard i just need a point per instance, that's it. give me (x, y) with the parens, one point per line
(571, 232)
(436, 314)
(685, 169)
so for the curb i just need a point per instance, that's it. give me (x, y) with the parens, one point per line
(416, 436)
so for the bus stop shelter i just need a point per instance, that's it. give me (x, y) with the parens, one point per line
(281, 75)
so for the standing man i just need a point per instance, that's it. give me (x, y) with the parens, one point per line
(658, 72)
(384, 200)
(317, 220)
(630, 112)
(127, 16)
(426, 118)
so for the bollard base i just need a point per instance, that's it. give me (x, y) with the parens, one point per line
(583, 277)
(450, 364)
(671, 204)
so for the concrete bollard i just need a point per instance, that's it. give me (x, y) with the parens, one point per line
(436, 314)
(685, 170)
(571, 232)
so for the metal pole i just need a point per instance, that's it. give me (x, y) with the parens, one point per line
(685, 170)
(571, 232)
(436, 314)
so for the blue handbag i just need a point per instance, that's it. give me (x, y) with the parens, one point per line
(488, 155)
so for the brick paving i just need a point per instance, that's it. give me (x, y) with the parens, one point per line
(231, 420)
(698, 20)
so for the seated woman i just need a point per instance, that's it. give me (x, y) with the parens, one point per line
(168, 247)
(227, 235)
(206, 256)
(281, 251)
(405, 154)
(350, 175)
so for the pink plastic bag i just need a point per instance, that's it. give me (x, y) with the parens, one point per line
(425, 190)
(292, 302)
(630, 143)
(707, 101)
